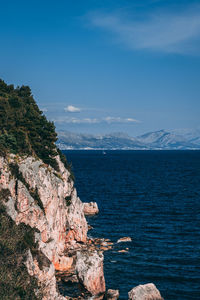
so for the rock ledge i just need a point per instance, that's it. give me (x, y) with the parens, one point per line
(90, 209)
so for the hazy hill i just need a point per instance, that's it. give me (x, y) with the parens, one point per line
(162, 139)
(68, 140)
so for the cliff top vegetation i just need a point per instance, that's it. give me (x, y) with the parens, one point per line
(24, 129)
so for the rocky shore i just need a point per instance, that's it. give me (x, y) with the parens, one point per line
(90, 209)
(145, 292)
(58, 217)
(43, 229)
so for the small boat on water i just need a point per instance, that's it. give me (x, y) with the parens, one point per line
(104, 153)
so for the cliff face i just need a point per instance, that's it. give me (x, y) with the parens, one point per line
(46, 200)
(43, 230)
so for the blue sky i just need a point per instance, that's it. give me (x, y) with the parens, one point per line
(106, 66)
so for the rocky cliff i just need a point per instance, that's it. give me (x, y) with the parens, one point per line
(47, 201)
(43, 230)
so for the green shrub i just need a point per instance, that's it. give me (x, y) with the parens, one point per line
(68, 200)
(23, 127)
(15, 282)
(4, 194)
(36, 197)
(58, 175)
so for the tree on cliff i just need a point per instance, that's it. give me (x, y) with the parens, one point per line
(23, 127)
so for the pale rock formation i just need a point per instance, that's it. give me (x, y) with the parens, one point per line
(112, 294)
(46, 278)
(124, 239)
(89, 268)
(61, 225)
(145, 292)
(90, 208)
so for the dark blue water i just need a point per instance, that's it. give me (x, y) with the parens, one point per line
(153, 197)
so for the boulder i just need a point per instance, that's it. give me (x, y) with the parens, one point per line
(90, 208)
(145, 292)
(89, 268)
(112, 294)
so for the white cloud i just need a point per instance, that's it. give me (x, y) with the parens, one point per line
(108, 120)
(72, 109)
(167, 32)
(120, 120)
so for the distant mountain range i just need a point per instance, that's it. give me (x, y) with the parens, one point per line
(178, 139)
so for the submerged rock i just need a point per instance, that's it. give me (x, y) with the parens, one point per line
(124, 239)
(90, 227)
(145, 292)
(90, 208)
(123, 251)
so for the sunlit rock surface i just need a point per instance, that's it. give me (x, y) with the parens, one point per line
(90, 208)
(124, 239)
(59, 220)
(89, 268)
(145, 292)
(112, 294)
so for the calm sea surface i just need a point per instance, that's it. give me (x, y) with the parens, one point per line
(153, 197)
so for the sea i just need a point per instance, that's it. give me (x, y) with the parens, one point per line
(154, 198)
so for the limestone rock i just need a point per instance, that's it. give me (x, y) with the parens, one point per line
(58, 217)
(90, 208)
(112, 294)
(145, 292)
(124, 239)
(89, 268)
(46, 278)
